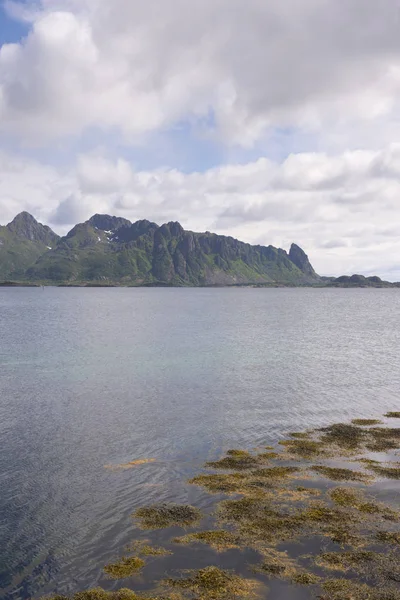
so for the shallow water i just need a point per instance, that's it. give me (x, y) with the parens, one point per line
(95, 377)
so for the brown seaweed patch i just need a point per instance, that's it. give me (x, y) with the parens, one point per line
(366, 422)
(98, 594)
(382, 439)
(130, 465)
(387, 472)
(126, 567)
(321, 513)
(344, 561)
(393, 415)
(272, 526)
(284, 495)
(304, 448)
(277, 564)
(305, 579)
(347, 437)
(368, 461)
(310, 491)
(267, 456)
(216, 483)
(338, 474)
(154, 551)
(344, 536)
(160, 516)
(219, 540)
(212, 583)
(238, 510)
(275, 472)
(388, 537)
(355, 499)
(144, 549)
(235, 459)
(256, 482)
(344, 589)
(346, 497)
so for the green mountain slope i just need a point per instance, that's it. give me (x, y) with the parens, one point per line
(22, 242)
(110, 250)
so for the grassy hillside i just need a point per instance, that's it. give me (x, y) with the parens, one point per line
(143, 253)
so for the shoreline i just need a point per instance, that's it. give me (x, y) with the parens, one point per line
(14, 284)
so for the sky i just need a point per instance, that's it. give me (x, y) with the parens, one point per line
(273, 122)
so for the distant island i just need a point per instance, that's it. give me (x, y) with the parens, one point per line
(112, 251)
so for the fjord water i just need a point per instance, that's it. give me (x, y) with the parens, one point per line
(96, 377)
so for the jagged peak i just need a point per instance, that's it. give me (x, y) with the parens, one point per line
(144, 224)
(174, 228)
(26, 226)
(108, 222)
(301, 260)
(24, 217)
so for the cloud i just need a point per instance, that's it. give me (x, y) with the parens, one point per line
(347, 223)
(137, 67)
(28, 185)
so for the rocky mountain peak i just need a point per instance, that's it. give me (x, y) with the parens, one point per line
(108, 223)
(24, 225)
(301, 260)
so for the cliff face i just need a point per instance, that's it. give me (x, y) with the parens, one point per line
(300, 259)
(109, 249)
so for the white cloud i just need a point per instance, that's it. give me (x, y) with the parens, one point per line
(345, 214)
(28, 185)
(137, 67)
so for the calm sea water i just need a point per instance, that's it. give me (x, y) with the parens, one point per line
(96, 377)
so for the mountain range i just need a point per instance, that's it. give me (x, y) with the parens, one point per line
(107, 250)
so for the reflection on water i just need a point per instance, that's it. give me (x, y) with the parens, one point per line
(95, 377)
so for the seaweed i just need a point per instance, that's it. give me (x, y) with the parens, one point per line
(307, 490)
(346, 437)
(160, 516)
(366, 422)
(393, 415)
(388, 537)
(355, 499)
(143, 549)
(99, 594)
(383, 439)
(235, 459)
(125, 567)
(344, 536)
(220, 483)
(337, 474)
(346, 497)
(321, 513)
(270, 526)
(130, 465)
(344, 561)
(387, 472)
(300, 435)
(304, 448)
(219, 540)
(212, 583)
(277, 564)
(305, 579)
(238, 510)
(275, 472)
(344, 589)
